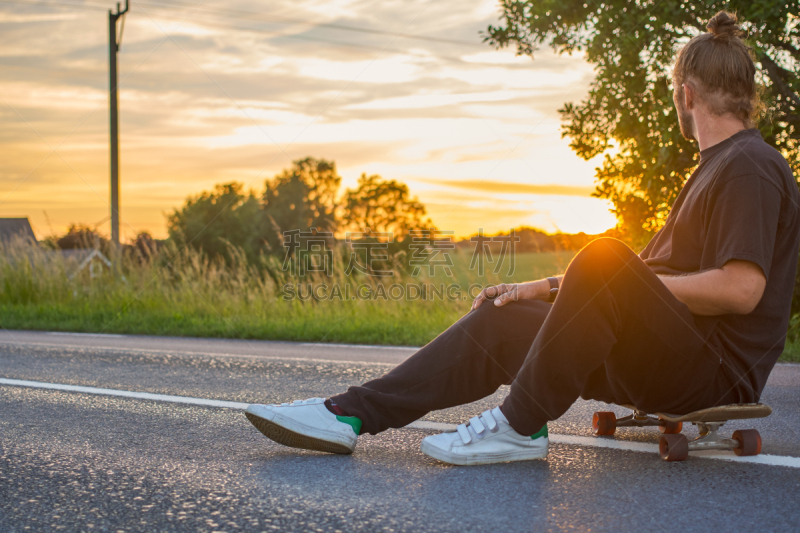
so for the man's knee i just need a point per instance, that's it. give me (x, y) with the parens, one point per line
(603, 252)
(495, 318)
(488, 313)
(607, 247)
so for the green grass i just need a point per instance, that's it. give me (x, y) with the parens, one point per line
(791, 353)
(184, 294)
(362, 322)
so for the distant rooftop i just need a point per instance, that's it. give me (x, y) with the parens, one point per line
(15, 227)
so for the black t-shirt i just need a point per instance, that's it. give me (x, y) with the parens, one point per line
(741, 202)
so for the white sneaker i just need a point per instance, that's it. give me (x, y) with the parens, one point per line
(486, 439)
(306, 424)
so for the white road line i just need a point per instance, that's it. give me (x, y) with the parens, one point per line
(575, 440)
(323, 344)
(368, 346)
(73, 334)
(203, 354)
(123, 393)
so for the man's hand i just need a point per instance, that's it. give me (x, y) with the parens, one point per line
(509, 292)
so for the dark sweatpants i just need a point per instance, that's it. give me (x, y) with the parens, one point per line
(615, 333)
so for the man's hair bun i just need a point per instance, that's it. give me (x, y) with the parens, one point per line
(723, 25)
(721, 66)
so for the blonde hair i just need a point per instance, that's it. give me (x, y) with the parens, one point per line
(722, 65)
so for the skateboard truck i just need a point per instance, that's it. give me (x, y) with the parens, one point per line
(674, 446)
(606, 422)
(709, 439)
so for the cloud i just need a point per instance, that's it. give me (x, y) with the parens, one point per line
(466, 214)
(236, 94)
(517, 188)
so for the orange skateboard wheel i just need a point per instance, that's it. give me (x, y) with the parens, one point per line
(749, 442)
(604, 423)
(673, 447)
(670, 428)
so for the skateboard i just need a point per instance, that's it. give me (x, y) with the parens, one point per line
(674, 446)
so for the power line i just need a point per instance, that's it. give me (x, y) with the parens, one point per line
(55, 4)
(262, 31)
(278, 35)
(252, 15)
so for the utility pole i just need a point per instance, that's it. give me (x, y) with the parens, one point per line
(113, 48)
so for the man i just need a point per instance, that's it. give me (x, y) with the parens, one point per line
(698, 319)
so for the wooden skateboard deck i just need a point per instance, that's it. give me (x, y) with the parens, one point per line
(723, 413)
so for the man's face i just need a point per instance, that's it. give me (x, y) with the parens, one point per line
(685, 119)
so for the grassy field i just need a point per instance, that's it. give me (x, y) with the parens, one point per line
(791, 354)
(184, 294)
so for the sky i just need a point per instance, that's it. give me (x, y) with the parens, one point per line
(213, 92)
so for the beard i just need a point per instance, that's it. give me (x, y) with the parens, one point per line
(685, 120)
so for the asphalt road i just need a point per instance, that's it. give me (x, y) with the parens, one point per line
(83, 462)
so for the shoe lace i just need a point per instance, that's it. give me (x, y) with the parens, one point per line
(480, 426)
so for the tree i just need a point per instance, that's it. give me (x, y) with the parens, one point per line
(383, 206)
(302, 197)
(143, 248)
(299, 198)
(79, 236)
(629, 114)
(212, 220)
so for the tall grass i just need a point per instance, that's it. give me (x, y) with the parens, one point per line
(184, 293)
(791, 352)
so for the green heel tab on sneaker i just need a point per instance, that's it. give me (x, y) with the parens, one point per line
(356, 423)
(541, 433)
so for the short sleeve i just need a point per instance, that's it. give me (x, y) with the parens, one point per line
(742, 222)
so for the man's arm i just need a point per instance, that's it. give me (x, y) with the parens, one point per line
(736, 288)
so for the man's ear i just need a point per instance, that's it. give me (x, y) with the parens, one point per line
(689, 95)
